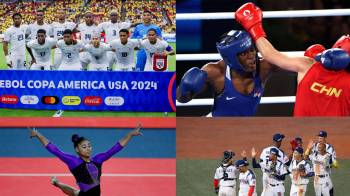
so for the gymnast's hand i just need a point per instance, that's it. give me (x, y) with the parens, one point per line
(136, 131)
(32, 132)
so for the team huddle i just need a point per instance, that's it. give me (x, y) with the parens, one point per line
(315, 162)
(88, 53)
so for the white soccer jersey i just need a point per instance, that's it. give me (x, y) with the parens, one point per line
(278, 169)
(112, 29)
(125, 53)
(42, 53)
(265, 154)
(16, 37)
(87, 32)
(70, 53)
(32, 30)
(151, 49)
(58, 28)
(98, 55)
(226, 175)
(295, 177)
(246, 180)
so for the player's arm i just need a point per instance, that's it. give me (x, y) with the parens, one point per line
(216, 183)
(34, 133)
(31, 55)
(169, 51)
(254, 162)
(6, 53)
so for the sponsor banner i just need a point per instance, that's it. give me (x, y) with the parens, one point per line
(88, 90)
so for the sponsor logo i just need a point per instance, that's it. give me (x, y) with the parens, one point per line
(71, 100)
(230, 98)
(29, 99)
(92, 100)
(49, 100)
(9, 99)
(114, 101)
(322, 89)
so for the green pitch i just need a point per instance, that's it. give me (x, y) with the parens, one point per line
(195, 177)
(48, 113)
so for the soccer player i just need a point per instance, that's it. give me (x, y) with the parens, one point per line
(32, 29)
(70, 49)
(42, 50)
(125, 51)
(141, 32)
(15, 35)
(154, 45)
(57, 30)
(97, 52)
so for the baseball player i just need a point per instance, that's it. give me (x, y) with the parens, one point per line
(296, 142)
(322, 161)
(225, 176)
(275, 172)
(247, 179)
(98, 54)
(42, 51)
(322, 138)
(265, 154)
(300, 172)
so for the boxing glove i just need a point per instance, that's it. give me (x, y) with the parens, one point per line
(250, 17)
(192, 82)
(313, 50)
(334, 59)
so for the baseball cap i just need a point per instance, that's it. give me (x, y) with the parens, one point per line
(241, 163)
(299, 150)
(228, 154)
(278, 137)
(274, 151)
(322, 134)
(298, 139)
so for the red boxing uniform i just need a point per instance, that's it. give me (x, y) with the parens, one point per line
(323, 93)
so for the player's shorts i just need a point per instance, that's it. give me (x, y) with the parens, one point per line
(18, 61)
(98, 67)
(119, 67)
(85, 57)
(111, 57)
(41, 66)
(72, 67)
(57, 58)
(148, 67)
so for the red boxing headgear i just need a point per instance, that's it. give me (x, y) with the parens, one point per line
(313, 50)
(343, 43)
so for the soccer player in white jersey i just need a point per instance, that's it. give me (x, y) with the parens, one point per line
(111, 29)
(41, 48)
(70, 49)
(124, 48)
(32, 29)
(15, 35)
(225, 176)
(57, 33)
(265, 154)
(87, 31)
(275, 172)
(98, 54)
(300, 172)
(321, 161)
(154, 45)
(247, 179)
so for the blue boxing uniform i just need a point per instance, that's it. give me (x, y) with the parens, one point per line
(86, 174)
(140, 32)
(233, 103)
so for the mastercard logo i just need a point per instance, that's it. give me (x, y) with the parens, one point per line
(50, 100)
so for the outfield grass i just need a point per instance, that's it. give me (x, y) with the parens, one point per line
(195, 178)
(171, 60)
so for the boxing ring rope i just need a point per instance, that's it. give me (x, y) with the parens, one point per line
(266, 14)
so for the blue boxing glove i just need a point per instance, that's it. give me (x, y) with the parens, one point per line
(192, 83)
(334, 59)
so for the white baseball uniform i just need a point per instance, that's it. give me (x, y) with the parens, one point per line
(274, 186)
(70, 55)
(57, 32)
(322, 166)
(299, 183)
(112, 32)
(33, 28)
(329, 148)
(98, 56)
(159, 47)
(227, 175)
(125, 54)
(264, 156)
(246, 180)
(42, 53)
(15, 36)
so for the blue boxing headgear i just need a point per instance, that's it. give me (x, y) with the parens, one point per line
(231, 45)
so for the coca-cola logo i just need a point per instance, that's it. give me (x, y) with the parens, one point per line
(92, 100)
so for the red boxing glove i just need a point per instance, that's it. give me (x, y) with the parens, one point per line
(250, 17)
(313, 50)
